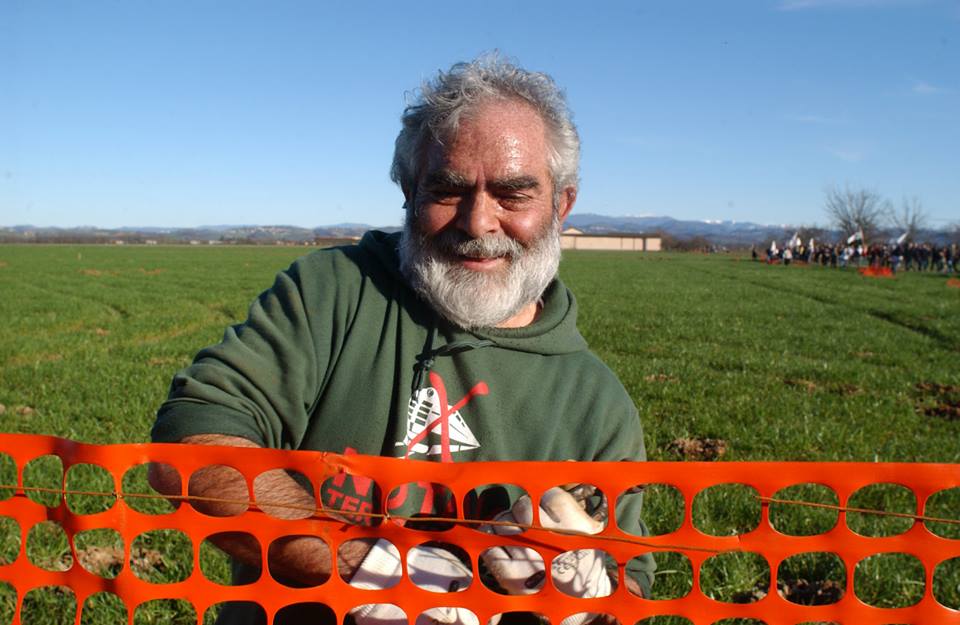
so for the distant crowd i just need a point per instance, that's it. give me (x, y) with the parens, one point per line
(895, 256)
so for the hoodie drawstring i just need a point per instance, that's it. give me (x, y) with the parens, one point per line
(427, 358)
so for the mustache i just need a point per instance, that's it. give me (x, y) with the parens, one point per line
(455, 243)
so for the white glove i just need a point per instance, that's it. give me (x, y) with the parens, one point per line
(520, 570)
(430, 567)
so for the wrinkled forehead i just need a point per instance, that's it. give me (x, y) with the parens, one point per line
(502, 138)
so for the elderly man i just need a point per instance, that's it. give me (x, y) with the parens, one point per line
(452, 341)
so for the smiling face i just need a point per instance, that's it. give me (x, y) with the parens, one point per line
(483, 232)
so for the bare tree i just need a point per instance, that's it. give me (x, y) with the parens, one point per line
(855, 210)
(910, 219)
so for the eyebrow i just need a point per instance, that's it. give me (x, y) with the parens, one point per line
(515, 183)
(445, 178)
(448, 179)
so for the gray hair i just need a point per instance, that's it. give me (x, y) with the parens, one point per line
(435, 116)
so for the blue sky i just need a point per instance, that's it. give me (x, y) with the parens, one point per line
(188, 113)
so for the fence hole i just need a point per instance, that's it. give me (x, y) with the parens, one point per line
(303, 576)
(100, 551)
(89, 478)
(9, 540)
(8, 603)
(665, 619)
(223, 482)
(504, 557)
(215, 563)
(44, 472)
(819, 623)
(582, 618)
(518, 618)
(376, 613)
(354, 499)
(886, 498)
(266, 485)
(662, 509)
(798, 520)
(307, 612)
(589, 498)
(8, 477)
(485, 503)
(423, 499)
(49, 604)
(946, 583)
(735, 577)
(426, 559)
(814, 578)
(48, 547)
(162, 556)
(351, 554)
(139, 495)
(944, 504)
(673, 578)
(573, 570)
(739, 621)
(444, 614)
(166, 611)
(231, 612)
(726, 510)
(103, 608)
(889, 580)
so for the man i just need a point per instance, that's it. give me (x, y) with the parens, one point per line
(453, 341)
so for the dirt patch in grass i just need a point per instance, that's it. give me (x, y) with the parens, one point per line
(953, 282)
(938, 400)
(846, 389)
(96, 273)
(659, 377)
(24, 411)
(806, 385)
(151, 272)
(817, 592)
(164, 361)
(698, 449)
(101, 332)
(3, 264)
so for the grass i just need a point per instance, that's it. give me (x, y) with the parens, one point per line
(724, 358)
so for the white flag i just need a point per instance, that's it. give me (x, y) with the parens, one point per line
(902, 238)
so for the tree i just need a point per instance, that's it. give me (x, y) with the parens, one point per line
(910, 219)
(855, 210)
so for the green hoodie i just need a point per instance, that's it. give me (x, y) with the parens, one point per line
(342, 355)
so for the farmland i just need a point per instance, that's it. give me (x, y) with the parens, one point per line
(725, 358)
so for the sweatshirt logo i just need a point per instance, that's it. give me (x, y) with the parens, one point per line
(429, 413)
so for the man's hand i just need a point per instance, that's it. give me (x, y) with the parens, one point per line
(431, 566)
(520, 571)
(302, 559)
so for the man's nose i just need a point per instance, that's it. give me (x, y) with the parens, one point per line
(478, 215)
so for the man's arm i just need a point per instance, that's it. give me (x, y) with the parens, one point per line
(304, 559)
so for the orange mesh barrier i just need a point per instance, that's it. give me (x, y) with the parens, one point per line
(690, 478)
(876, 272)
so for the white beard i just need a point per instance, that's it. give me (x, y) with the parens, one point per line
(477, 299)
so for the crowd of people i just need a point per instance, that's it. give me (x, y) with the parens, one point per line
(902, 256)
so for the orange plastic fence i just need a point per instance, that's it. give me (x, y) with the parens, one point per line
(876, 272)
(690, 478)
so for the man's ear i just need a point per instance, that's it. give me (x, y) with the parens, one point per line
(565, 202)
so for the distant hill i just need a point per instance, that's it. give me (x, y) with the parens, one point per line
(719, 233)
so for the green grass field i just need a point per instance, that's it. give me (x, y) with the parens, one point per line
(725, 358)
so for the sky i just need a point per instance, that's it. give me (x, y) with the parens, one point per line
(176, 113)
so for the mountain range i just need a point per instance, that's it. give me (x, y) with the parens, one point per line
(722, 233)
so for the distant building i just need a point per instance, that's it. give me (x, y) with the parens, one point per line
(574, 239)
